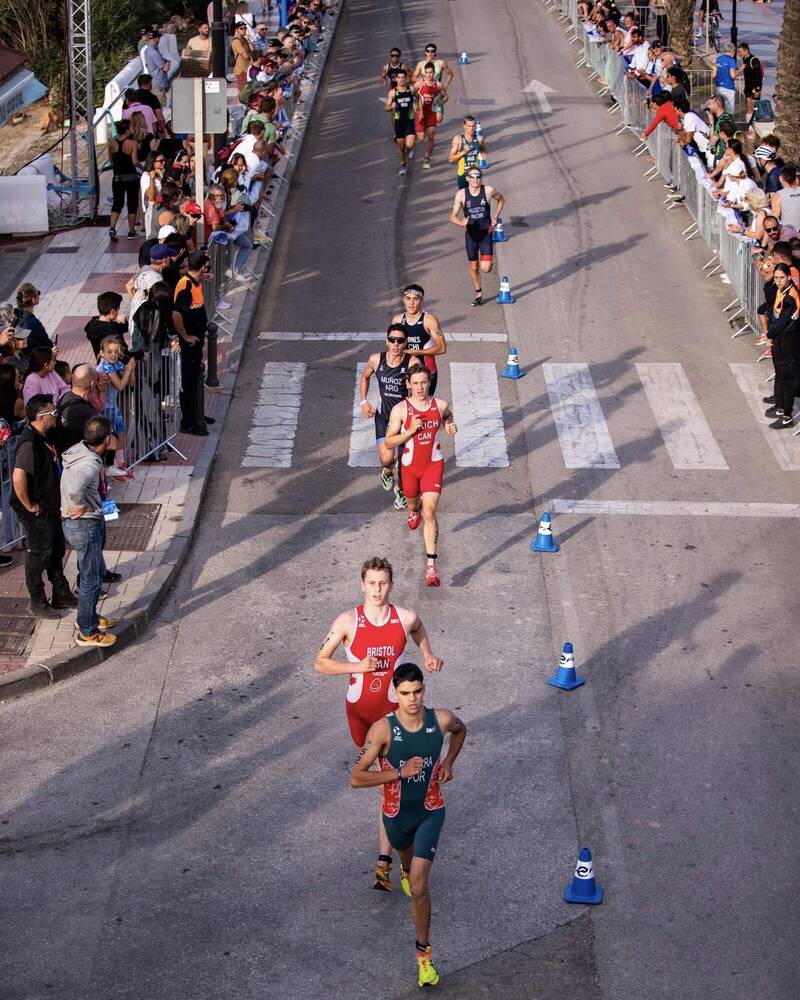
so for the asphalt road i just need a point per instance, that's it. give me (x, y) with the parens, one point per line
(178, 822)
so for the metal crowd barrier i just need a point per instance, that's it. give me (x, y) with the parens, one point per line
(150, 407)
(629, 99)
(11, 533)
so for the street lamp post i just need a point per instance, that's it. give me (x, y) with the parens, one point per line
(734, 28)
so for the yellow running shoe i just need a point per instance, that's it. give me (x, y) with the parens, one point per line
(428, 976)
(405, 885)
(383, 878)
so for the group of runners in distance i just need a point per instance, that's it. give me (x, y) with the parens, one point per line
(386, 714)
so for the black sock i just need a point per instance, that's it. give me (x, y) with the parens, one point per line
(421, 947)
(385, 859)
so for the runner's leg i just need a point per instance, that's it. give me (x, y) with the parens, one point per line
(430, 526)
(420, 894)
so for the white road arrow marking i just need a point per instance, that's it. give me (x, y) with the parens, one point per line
(541, 90)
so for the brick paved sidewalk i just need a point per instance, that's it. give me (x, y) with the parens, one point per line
(162, 502)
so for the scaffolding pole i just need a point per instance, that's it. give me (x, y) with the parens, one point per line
(81, 111)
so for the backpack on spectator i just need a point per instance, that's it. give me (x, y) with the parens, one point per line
(762, 111)
(227, 151)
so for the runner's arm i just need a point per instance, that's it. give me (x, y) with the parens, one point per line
(449, 722)
(337, 634)
(455, 150)
(395, 434)
(384, 74)
(444, 95)
(501, 202)
(389, 101)
(458, 204)
(447, 416)
(363, 386)
(377, 745)
(450, 74)
(413, 625)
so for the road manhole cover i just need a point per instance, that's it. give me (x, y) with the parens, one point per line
(132, 531)
(16, 625)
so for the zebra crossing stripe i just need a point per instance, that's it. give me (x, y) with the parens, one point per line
(581, 426)
(684, 428)
(275, 416)
(481, 440)
(783, 445)
(363, 453)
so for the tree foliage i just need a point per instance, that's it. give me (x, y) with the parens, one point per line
(787, 92)
(39, 29)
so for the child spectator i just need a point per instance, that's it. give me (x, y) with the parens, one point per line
(120, 376)
(110, 323)
(62, 369)
(42, 378)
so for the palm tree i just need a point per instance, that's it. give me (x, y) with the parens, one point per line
(787, 94)
(680, 14)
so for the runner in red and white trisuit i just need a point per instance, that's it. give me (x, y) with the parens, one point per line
(416, 424)
(373, 636)
(432, 95)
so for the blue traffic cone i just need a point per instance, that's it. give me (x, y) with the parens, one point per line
(463, 59)
(565, 676)
(583, 888)
(504, 296)
(499, 234)
(544, 541)
(512, 365)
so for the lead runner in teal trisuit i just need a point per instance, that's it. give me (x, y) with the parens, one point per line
(407, 743)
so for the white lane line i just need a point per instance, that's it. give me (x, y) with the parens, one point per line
(687, 436)
(363, 453)
(675, 508)
(785, 449)
(481, 441)
(582, 430)
(368, 337)
(275, 416)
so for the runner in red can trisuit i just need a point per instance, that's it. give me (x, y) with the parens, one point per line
(430, 93)
(373, 636)
(416, 424)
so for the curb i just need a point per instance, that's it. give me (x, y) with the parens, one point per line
(139, 615)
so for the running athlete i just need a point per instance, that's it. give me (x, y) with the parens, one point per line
(373, 635)
(474, 204)
(441, 70)
(466, 149)
(415, 423)
(408, 744)
(401, 104)
(424, 338)
(390, 368)
(390, 70)
(428, 91)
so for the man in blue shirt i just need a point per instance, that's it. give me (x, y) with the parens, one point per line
(156, 65)
(725, 77)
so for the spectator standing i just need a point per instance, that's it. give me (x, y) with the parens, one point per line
(81, 513)
(28, 297)
(190, 321)
(783, 329)
(156, 65)
(120, 376)
(158, 340)
(42, 377)
(769, 170)
(146, 96)
(725, 77)
(132, 104)
(242, 51)
(137, 287)
(36, 502)
(144, 138)
(199, 45)
(124, 156)
(785, 202)
(753, 73)
(109, 323)
(150, 189)
(75, 408)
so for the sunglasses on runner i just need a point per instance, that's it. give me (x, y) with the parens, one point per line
(474, 177)
(430, 50)
(396, 340)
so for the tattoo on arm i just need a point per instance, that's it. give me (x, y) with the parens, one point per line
(327, 639)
